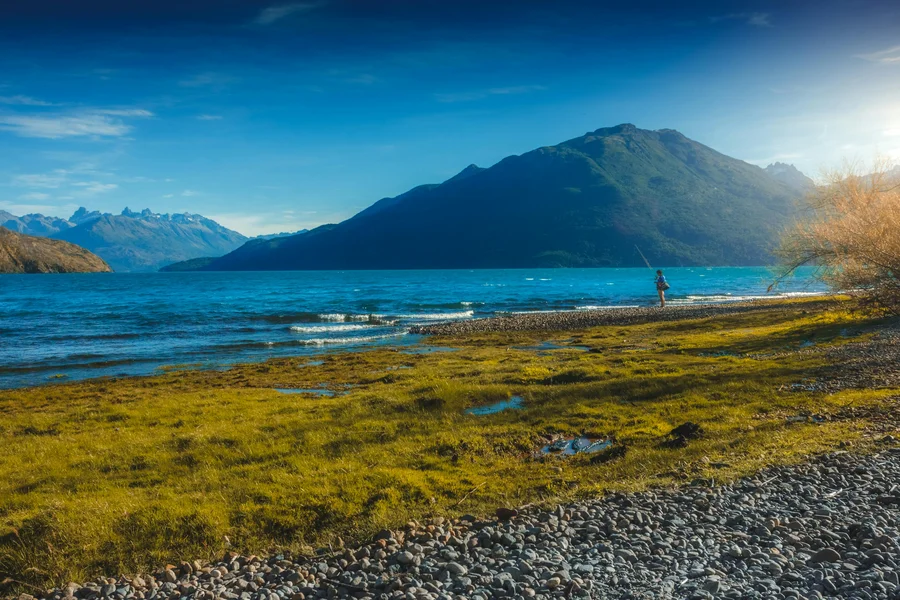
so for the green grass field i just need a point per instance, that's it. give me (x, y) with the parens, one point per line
(125, 475)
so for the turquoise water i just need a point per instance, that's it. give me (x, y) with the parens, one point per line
(63, 327)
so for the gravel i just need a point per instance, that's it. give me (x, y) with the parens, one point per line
(827, 528)
(582, 319)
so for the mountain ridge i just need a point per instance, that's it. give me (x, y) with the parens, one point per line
(791, 176)
(585, 202)
(132, 240)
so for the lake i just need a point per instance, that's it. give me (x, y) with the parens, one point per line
(64, 327)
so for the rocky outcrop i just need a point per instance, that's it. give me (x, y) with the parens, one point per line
(29, 254)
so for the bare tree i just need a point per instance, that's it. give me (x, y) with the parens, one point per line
(850, 230)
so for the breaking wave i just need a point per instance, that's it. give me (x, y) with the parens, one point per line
(329, 328)
(350, 340)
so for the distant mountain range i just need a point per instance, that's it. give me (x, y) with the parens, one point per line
(30, 254)
(587, 202)
(791, 176)
(133, 241)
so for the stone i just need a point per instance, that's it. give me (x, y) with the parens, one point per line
(506, 514)
(825, 555)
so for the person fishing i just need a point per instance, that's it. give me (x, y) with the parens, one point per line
(661, 286)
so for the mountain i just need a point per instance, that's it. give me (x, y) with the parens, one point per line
(193, 264)
(791, 176)
(34, 224)
(198, 264)
(586, 202)
(269, 236)
(134, 241)
(29, 254)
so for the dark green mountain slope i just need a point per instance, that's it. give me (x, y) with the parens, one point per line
(585, 202)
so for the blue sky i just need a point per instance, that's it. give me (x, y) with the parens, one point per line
(275, 116)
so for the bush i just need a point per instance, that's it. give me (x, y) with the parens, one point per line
(850, 230)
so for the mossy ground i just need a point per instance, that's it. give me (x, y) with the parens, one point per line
(113, 476)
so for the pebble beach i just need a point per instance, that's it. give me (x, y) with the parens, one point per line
(583, 319)
(829, 528)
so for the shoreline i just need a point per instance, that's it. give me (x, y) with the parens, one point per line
(549, 321)
(586, 319)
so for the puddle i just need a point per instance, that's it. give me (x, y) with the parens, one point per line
(807, 344)
(719, 354)
(315, 391)
(312, 363)
(545, 346)
(514, 403)
(579, 445)
(428, 350)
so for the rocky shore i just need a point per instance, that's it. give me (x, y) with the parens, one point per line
(583, 319)
(829, 528)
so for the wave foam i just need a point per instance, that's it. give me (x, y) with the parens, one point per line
(463, 314)
(350, 340)
(343, 317)
(328, 328)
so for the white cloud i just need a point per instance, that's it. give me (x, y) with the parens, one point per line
(62, 179)
(168, 195)
(89, 122)
(756, 19)
(34, 196)
(891, 132)
(90, 188)
(209, 117)
(760, 19)
(481, 94)
(276, 13)
(273, 222)
(40, 180)
(889, 56)
(208, 79)
(51, 210)
(189, 193)
(776, 158)
(123, 112)
(364, 79)
(23, 101)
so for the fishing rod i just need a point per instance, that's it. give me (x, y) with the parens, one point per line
(646, 262)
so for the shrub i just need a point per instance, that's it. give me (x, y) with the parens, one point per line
(850, 230)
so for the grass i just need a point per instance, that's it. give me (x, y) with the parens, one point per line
(125, 475)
